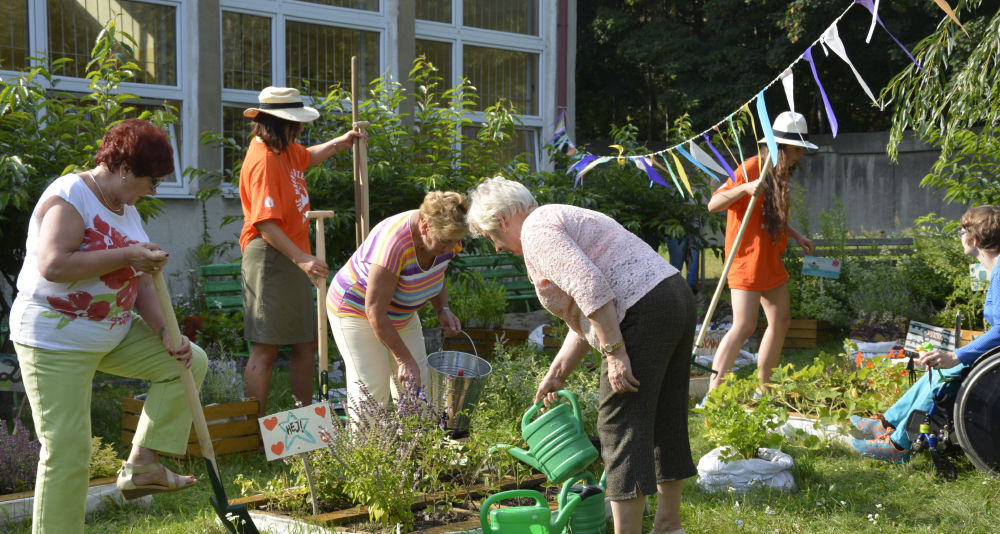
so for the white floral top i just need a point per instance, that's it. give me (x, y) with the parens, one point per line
(87, 315)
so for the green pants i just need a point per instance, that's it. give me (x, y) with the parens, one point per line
(58, 385)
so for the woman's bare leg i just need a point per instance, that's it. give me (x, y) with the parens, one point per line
(777, 309)
(745, 306)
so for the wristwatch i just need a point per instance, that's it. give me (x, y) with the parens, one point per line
(611, 347)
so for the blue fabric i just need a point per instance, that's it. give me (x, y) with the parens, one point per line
(679, 250)
(991, 311)
(920, 396)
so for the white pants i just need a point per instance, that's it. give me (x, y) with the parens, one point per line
(368, 362)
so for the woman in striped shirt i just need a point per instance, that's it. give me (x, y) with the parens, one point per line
(374, 298)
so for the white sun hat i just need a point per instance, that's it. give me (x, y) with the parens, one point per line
(284, 103)
(790, 129)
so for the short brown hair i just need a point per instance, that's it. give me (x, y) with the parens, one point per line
(139, 146)
(983, 223)
(276, 133)
(444, 212)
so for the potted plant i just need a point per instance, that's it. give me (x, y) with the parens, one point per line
(745, 453)
(231, 418)
(480, 305)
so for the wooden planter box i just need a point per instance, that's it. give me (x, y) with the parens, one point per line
(804, 333)
(232, 426)
(484, 339)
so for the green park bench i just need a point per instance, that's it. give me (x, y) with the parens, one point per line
(506, 269)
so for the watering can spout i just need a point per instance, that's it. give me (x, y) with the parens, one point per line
(525, 457)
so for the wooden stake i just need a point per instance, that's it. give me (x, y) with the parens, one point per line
(362, 223)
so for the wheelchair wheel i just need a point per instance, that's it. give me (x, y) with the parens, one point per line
(977, 413)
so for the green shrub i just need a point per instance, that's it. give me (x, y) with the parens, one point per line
(741, 430)
(104, 460)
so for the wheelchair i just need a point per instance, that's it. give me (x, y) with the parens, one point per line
(965, 418)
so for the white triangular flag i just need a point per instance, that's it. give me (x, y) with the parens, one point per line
(786, 81)
(705, 159)
(831, 37)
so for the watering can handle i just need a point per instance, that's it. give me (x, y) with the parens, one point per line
(585, 476)
(566, 394)
(503, 495)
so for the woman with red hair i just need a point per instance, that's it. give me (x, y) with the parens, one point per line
(86, 270)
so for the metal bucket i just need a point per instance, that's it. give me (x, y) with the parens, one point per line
(456, 379)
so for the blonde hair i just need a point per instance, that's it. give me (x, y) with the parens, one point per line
(494, 198)
(444, 212)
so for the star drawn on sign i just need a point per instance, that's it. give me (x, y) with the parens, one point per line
(295, 428)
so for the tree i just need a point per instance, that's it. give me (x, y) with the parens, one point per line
(954, 103)
(656, 59)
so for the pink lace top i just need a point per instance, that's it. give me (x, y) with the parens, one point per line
(579, 260)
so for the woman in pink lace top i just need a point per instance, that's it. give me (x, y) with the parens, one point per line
(620, 297)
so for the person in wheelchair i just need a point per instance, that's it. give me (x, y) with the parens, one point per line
(980, 236)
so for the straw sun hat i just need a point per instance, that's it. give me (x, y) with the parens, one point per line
(790, 129)
(284, 103)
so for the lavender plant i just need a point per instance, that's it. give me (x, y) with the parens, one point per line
(224, 379)
(18, 458)
(387, 457)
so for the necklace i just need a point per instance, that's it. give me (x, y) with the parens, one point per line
(120, 210)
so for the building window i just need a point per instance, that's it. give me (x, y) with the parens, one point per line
(524, 142)
(237, 127)
(14, 35)
(506, 74)
(246, 51)
(367, 5)
(434, 10)
(321, 55)
(74, 24)
(439, 55)
(514, 16)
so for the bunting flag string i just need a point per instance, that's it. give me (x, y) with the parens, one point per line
(716, 164)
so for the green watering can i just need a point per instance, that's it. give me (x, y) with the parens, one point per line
(534, 519)
(589, 517)
(559, 446)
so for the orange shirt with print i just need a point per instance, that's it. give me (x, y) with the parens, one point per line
(273, 188)
(757, 265)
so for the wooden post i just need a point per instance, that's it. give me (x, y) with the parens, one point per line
(321, 347)
(362, 223)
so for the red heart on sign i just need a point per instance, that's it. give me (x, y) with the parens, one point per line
(270, 423)
(278, 447)
(324, 438)
(320, 411)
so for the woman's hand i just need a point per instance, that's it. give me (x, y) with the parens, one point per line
(408, 373)
(805, 243)
(548, 387)
(450, 324)
(620, 373)
(315, 268)
(182, 353)
(751, 188)
(347, 140)
(146, 257)
(939, 359)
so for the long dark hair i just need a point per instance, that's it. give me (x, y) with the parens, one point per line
(277, 133)
(774, 210)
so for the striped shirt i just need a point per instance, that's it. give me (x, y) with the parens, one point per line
(389, 245)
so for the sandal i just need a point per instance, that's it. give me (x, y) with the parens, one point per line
(130, 491)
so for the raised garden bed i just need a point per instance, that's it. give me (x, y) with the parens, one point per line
(232, 426)
(356, 519)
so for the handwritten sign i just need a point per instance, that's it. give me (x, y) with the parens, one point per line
(817, 266)
(295, 431)
(10, 373)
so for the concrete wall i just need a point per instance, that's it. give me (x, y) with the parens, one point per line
(877, 194)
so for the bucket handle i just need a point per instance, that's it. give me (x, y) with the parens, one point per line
(565, 393)
(474, 349)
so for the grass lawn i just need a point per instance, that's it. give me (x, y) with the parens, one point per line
(839, 491)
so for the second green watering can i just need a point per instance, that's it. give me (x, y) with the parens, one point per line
(589, 517)
(534, 519)
(558, 446)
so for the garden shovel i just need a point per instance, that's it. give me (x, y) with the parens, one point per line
(725, 269)
(235, 518)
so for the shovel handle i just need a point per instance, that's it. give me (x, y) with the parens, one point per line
(322, 348)
(190, 390)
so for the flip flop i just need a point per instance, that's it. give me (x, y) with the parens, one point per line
(130, 491)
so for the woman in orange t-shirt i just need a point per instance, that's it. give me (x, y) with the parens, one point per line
(278, 268)
(757, 277)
